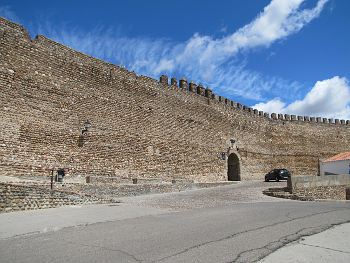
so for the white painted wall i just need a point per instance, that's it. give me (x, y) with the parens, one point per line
(335, 167)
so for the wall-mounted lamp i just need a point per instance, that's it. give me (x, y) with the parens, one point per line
(87, 124)
(223, 156)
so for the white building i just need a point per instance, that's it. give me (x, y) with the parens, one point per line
(338, 164)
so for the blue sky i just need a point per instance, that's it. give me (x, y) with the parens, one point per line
(290, 56)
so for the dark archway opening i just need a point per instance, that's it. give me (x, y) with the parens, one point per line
(233, 172)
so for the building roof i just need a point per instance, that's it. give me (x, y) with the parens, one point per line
(339, 157)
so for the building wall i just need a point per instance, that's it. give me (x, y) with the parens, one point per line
(335, 167)
(140, 127)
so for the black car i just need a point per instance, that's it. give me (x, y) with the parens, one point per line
(277, 174)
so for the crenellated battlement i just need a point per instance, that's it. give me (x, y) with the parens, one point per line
(207, 92)
(15, 29)
(140, 126)
(111, 69)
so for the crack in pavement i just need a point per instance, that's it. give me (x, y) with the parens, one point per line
(336, 250)
(24, 235)
(108, 249)
(283, 241)
(286, 239)
(243, 232)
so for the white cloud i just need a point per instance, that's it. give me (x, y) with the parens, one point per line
(213, 61)
(278, 20)
(327, 98)
(274, 105)
(201, 58)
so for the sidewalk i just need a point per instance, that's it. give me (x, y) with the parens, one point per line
(53, 219)
(332, 245)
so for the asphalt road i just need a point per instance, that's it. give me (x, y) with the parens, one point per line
(224, 224)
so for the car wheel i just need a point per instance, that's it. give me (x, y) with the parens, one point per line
(277, 179)
(266, 180)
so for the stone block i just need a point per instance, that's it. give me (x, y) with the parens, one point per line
(164, 79)
(173, 82)
(200, 90)
(183, 84)
(193, 87)
(208, 93)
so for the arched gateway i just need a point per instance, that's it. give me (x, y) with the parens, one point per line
(233, 171)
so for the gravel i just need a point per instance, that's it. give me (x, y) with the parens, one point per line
(243, 192)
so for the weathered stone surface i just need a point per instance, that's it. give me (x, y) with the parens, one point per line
(208, 93)
(336, 192)
(173, 82)
(21, 197)
(193, 87)
(200, 90)
(140, 127)
(183, 84)
(164, 79)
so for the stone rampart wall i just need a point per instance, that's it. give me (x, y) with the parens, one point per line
(319, 187)
(317, 181)
(19, 197)
(334, 192)
(141, 127)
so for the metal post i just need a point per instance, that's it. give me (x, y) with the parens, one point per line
(51, 186)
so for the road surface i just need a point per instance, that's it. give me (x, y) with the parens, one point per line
(235, 223)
